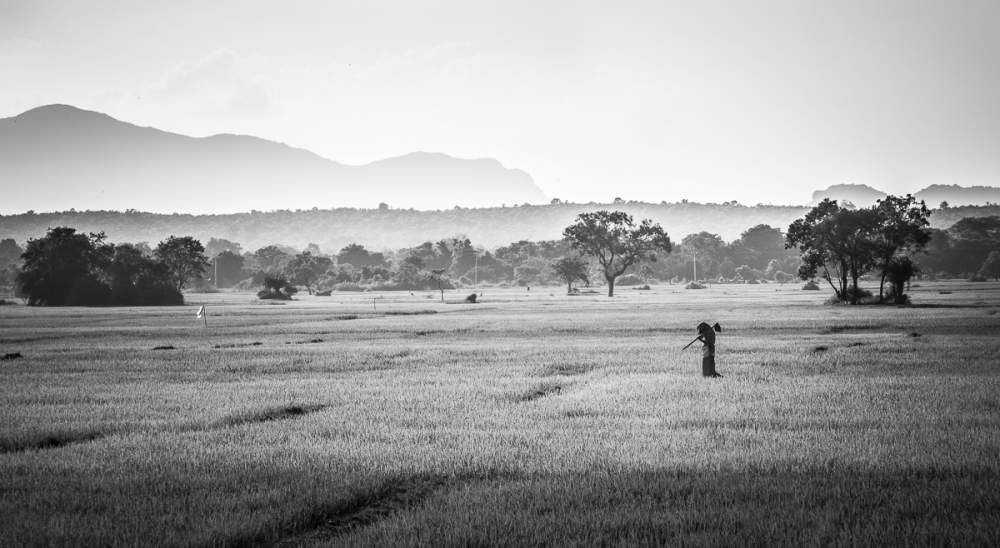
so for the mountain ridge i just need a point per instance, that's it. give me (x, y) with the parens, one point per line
(61, 157)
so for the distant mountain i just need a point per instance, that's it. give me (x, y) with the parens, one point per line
(859, 195)
(957, 195)
(864, 195)
(59, 157)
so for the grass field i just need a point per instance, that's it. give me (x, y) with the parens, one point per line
(529, 418)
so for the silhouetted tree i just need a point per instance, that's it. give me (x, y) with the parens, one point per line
(902, 230)
(306, 268)
(615, 240)
(270, 259)
(65, 268)
(137, 279)
(227, 268)
(991, 266)
(899, 271)
(571, 269)
(215, 246)
(358, 256)
(836, 244)
(184, 258)
(10, 252)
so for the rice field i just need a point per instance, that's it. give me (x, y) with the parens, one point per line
(530, 418)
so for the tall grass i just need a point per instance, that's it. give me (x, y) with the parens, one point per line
(520, 420)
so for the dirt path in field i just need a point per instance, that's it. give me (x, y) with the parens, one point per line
(328, 524)
(55, 441)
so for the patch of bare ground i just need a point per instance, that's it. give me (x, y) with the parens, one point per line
(326, 524)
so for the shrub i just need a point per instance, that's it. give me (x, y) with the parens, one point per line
(861, 296)
(810, 286)
(694, 285)
(976, 278)
(275, 295)
(277, 287)
(348, 286)
(471, 298)
(629, 279)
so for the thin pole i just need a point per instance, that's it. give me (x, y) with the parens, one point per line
(695, 255)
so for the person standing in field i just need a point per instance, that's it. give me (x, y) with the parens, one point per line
(706, 334)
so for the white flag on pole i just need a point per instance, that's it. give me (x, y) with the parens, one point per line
(201, 312)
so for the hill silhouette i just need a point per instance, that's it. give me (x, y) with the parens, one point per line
(955, 195)
(60, 157)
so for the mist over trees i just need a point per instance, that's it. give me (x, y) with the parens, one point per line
(97, 272)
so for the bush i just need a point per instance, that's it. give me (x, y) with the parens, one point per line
(694, 285)
(629, 279)
(810, 286)
(348, 286)
(275, 295)
(976, 278)
(862, 295)
(471, 298)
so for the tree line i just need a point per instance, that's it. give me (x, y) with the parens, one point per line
(838, 244)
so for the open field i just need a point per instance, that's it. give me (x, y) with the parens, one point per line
(530, 418)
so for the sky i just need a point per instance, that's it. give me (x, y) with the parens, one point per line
(760, 101)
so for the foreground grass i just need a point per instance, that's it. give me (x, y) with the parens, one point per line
(524, 420)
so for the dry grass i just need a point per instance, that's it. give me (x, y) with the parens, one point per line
(526, 419)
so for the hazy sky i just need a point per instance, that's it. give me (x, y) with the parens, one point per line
(758, 101)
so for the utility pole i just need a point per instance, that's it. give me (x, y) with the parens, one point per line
(475, 284)
(694, 254)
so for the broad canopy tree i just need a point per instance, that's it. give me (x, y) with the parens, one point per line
(65, 268)
(902, 231)
(617, 243)
(571, 269)
(306, 269)
(184, 258)
(836, 244)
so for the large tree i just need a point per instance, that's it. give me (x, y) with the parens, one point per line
(306, 269)
(901, 232)
(65, 268)
(836, 244)
(616, 241)
(184, 258)
(705, 250)
(227, 268)
(758, 245)
(991, 266)
(358, 256)
(137, 279)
